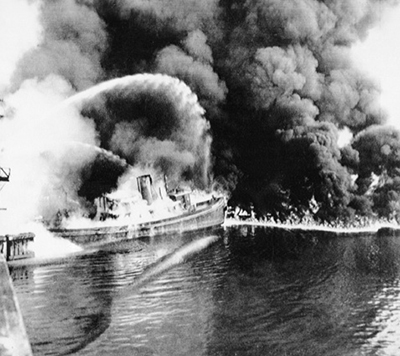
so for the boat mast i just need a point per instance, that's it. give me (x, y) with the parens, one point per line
(4, 177)
(5, 174)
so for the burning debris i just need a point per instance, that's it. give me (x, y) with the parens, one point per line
(276, 82)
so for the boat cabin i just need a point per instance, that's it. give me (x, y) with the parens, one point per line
(182, 197)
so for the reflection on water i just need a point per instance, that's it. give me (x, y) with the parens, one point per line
(243, 291)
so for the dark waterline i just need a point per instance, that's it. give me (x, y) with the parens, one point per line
(242, 291)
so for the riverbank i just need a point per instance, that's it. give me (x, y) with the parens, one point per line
(379, 228)
(13, 337)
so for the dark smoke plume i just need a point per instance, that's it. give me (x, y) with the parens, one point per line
(154, 121)
(276, 81)
(75, 182)
(292, 87)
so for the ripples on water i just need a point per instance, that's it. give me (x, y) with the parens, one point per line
(250, 291)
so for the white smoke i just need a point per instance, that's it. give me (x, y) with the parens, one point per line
(20, 31)
(29, 130)
(42, 113)
(42, 120)
(379, 56)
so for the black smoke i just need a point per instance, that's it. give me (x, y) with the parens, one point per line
(153, 121)
(275, 78)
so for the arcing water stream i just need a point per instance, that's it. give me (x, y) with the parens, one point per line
(45, 164)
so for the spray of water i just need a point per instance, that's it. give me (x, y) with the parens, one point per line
(26, 134)
(51, 151)
(46, 246)
(187, 99)
(151, 120)
(171, 260)
(187, 143)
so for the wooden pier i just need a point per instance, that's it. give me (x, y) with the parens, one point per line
(14, 247)
(13, 337)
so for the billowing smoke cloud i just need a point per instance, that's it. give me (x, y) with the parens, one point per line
(292, 89)
(28, 132)
(194, 66)
(275, 79)
(154, 121)
(74, 39)
(20, 31)
(186, 16)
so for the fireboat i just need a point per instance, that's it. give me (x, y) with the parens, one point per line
(119, 219)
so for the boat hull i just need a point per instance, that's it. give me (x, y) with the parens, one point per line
(210, 216)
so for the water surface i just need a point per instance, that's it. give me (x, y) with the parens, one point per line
(239, 291)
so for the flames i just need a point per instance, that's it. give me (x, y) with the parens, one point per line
(251, 97)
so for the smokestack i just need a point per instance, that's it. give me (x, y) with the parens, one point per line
(145, 187)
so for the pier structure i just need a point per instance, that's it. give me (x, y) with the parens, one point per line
(14, 247)
(13, 337)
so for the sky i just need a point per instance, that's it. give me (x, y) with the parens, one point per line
(379, 55)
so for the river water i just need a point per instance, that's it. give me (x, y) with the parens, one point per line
(239, 291)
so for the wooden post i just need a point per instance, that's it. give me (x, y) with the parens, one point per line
(8, 248)
(3, 246)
